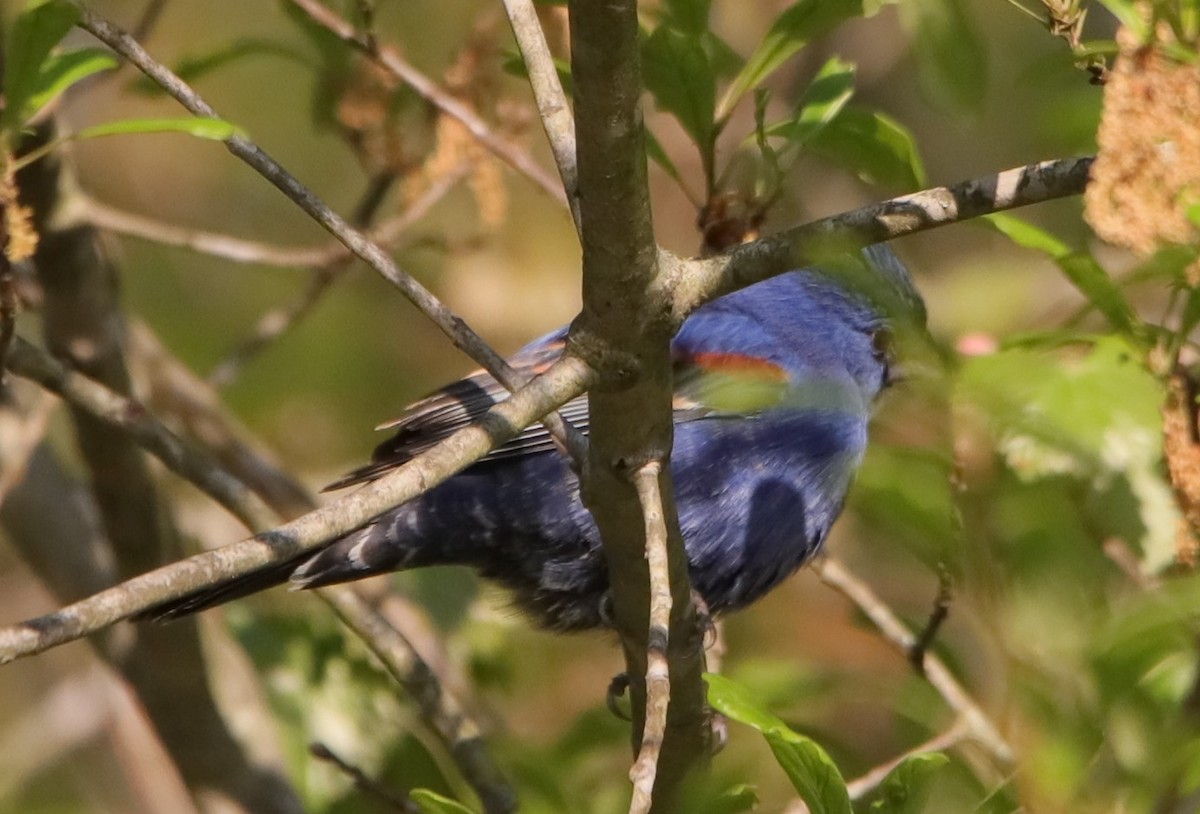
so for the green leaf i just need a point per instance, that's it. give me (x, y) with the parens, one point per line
(906, 787)
(799, 24)
(61, 71)
(822, 101)
(812, 772)
(951, 56)
(38, 28)
(433, 803)
(200, 127)
(658, 155)
(1080, 268)
(688, 15)
(741, 797)
(1027, 235)
(679, 76)
(875, 147)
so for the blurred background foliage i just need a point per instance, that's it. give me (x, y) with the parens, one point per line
(1023, 456)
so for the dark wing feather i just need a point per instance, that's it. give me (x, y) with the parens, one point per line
(444, 412)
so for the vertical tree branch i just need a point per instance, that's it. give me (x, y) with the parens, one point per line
(624, 331)
(552, 105)
(658, 671)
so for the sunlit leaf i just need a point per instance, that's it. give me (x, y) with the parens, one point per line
(198, 126)
(821, 102)
(61, 71)
(799, 24)
(431, 802)
(872, 145)
(38, 28)
(812, 772)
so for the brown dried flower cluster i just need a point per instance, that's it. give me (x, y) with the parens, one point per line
(20, 237)
(1147, 172)
(1183, 463)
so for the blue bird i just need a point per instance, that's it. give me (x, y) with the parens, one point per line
(774, 387)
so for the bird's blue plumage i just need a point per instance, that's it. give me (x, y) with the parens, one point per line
(774, 386)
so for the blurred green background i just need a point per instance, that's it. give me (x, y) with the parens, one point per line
(1015, 471)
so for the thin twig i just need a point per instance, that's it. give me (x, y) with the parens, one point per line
(238, 250)
(389, 797)
(445, 714)
(937, 618)
(658, 676)
(456, 728)
(981, 728)
(565, 380)
(126, 414)
(699, 281)
(860, 787)
(279, 320)
(552, 105)
(516, 157)
(451, 324)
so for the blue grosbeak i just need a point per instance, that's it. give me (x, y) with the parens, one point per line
(774, 386)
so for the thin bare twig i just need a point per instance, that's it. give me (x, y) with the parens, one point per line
(126, 414)
(455, 328)
(658, 675)
(980, 727)
(552, 105)
(516, 157)
(444, 714)
(937, 618)
(389, 797)
(698, 281)
(860, 787)
(449, 719)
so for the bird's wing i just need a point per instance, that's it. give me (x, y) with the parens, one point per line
(707, 383)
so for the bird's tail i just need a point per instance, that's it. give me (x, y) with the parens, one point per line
(377, 548)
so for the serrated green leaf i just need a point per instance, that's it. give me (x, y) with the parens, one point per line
(38, 28)
(799, 24)
(821, 102)
(679, 76)
(200, 127)
(192, 68)
(61, 71)
(951, 56)
(906, 787)
(872, 145)
(813, 774)
(431, 802)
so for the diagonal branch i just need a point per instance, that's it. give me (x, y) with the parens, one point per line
(699, 281)
(393, 63)
(565, 380)
(980, 727)
(552, 105)
(451, 324)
